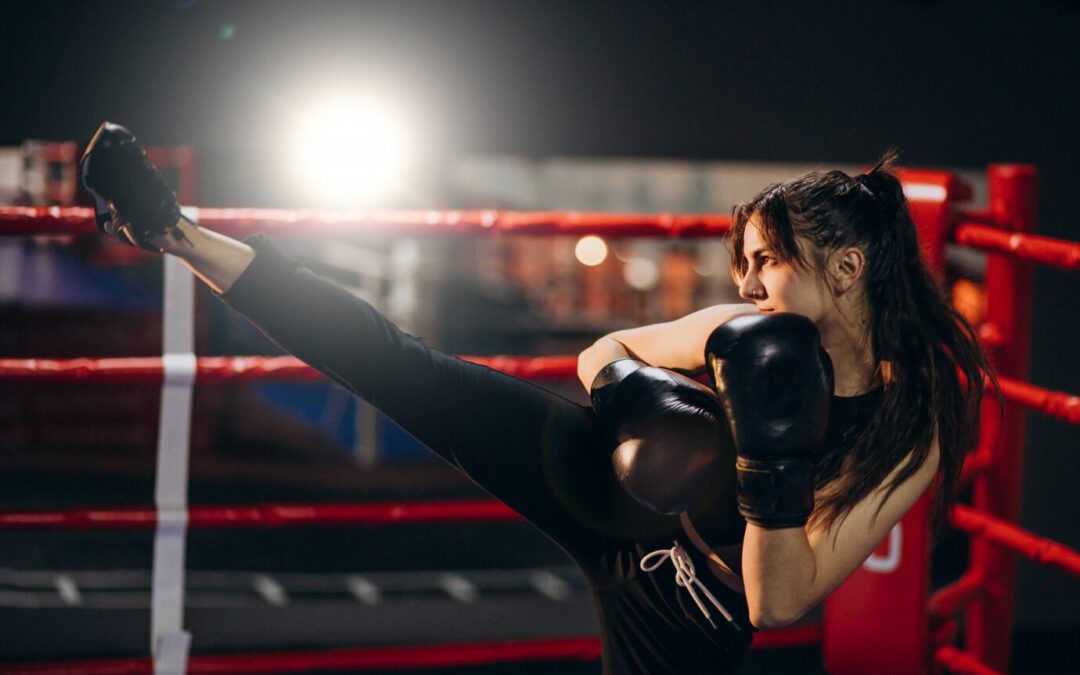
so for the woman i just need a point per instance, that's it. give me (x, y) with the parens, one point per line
(839, 250)
(843, 252)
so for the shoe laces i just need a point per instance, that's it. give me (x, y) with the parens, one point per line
(686, 577)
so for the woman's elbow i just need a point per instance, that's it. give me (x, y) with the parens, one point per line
(587, 367)
(597, 355)
(774, 617)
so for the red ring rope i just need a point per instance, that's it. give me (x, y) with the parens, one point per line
(1057, 404)
(266, 515)
(1039, 549)
(77, 220)
(148, 369)
(38, 220)
(1053, 252)
(959, 661)
(396, 658)
(944, 632)
(954, 597)
(979, 461)
(375, 658)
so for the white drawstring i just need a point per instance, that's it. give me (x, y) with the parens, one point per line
(686, 577)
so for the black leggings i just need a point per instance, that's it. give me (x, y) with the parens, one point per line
(532, 449)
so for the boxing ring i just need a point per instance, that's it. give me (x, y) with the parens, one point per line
(881, 620)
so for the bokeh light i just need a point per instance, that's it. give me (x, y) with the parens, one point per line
(641, 274)
(591, 250)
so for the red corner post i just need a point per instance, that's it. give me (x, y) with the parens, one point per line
(876, 621)
(1013, 197)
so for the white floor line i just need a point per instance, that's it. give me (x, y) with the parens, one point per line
(67, 590)
(550, 585)
(459, 588)
(363, 590)
(129, 589)
(270, 590)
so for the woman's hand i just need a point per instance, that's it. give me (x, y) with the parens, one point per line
(673, 449)
(776, 382)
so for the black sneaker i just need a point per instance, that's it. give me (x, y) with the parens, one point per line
(131, 200)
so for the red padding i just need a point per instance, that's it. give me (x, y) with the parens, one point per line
(1039, 549)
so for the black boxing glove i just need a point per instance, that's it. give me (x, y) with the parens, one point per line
(775, 381)
(673, 447)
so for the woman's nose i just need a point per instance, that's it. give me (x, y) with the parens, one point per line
(750, 287)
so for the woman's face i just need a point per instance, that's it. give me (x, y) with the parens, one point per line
(776, 286)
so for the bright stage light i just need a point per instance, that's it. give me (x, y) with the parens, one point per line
(591, 250)
(351, 149)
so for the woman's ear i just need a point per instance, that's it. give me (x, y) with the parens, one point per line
(846, 267)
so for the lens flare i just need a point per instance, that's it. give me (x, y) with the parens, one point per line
(352, 149)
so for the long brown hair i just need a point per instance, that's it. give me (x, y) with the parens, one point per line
(924, 351)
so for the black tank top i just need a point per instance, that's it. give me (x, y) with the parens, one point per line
(848, 417)
(720, 523)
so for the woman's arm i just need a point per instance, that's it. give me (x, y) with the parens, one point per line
(787, 572)
(678, 344)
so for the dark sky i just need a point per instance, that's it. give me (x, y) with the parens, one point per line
(953, 83)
